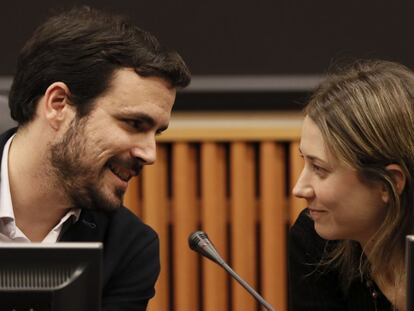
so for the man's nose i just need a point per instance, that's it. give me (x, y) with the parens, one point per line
(145, 149)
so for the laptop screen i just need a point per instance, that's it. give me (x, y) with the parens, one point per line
(409, 262)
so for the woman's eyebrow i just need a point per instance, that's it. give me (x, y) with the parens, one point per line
(312, 157)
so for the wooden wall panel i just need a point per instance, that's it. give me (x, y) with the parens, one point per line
(155, 212)
(273, 220)
(243, 223)
(185, 221)
(232, 179)
(214, 216)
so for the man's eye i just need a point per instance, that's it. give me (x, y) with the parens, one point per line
(134, 124)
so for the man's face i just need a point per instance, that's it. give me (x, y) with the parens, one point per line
(99, 153)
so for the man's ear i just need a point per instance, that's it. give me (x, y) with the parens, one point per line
(57, 108)
(399, 180)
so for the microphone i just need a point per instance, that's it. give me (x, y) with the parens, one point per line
(200, 243)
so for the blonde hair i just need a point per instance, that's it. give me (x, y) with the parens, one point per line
(366, 116)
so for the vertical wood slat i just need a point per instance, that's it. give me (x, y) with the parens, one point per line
(132, 198)
(243, 230)
(296, 165)
(214, 220)
(273, 221)
(185, 217)
(155, 213)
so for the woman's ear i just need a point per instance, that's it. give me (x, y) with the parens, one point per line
(398, 178)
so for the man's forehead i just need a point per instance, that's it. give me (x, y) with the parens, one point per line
(128, 91)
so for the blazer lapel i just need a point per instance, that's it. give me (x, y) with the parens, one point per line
(90, 227)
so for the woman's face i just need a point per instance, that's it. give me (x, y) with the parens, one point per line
(340, 203)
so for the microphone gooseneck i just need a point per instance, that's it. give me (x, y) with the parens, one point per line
(200, 243)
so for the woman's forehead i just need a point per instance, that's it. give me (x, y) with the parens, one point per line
(313, 144)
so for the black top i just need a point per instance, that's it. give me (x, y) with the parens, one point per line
(130, 252)
(313, 288)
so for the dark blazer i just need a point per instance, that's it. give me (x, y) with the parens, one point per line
(130, 256)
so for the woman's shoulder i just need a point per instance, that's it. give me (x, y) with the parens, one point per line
(303, 234)
(312, 288)
(303, 222)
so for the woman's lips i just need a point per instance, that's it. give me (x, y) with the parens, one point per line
(316, 213)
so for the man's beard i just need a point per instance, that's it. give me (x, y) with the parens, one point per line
(75, 175)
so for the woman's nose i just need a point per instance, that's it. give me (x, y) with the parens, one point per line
(303, 188)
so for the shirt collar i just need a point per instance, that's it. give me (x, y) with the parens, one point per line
(6, 206)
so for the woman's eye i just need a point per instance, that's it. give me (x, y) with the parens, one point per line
(318, 170)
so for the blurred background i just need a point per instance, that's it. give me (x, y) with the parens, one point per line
(233, 47)
(229, 159)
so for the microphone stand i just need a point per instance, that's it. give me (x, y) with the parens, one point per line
(199, 242)
(243, 283)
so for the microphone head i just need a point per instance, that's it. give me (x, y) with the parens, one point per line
(195, 238)
(200, 243)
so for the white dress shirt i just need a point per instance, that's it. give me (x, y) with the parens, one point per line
(9, 232)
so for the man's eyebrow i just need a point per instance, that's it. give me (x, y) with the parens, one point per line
(144, 118)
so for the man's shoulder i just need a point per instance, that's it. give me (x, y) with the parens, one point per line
(131, 248)
(109, 227)
(122, 221)
(126, 216)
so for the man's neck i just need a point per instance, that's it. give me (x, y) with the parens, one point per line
(38, 204)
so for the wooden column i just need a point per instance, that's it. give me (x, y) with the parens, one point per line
(214, 217)
(243, 223)
(155, 212)
(273, 219)
(185, 220)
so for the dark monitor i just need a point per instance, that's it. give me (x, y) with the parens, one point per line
(46, 277)
(409, 262)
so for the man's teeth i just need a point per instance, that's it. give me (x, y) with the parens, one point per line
(121, 173)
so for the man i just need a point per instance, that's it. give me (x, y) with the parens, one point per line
(90, 93)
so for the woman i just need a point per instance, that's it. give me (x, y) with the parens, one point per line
(346, 250)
